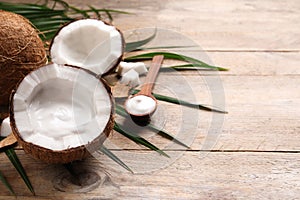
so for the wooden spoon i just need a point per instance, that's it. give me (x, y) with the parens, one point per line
(143, 104)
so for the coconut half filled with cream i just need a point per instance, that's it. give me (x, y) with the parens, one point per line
(61, 113)
(90, 44)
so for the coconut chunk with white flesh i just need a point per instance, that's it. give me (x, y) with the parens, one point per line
(90, 44)
(139, 67)
(131, 78)
(5, 129)
(58, 112)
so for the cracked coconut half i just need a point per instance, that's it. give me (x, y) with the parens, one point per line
(63, 111)
(90, 44)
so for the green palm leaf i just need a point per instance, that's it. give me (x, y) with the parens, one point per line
(167, 55)
(137, 45)
(184, 67)
(49, 19)
(132, 46)
(181, 102)
(97, 13)
(112, 156)
(163, 47)
(7, 185)
(121, 111)
(18, 7)
(11, 154)
(138, 139)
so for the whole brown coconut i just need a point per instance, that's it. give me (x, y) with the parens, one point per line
(21, 51)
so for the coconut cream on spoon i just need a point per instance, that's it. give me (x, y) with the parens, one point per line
(140, 105)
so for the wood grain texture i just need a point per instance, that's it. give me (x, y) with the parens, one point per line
(263, 112)
(194, 175)
(215, 25)
(250, 153)
(219, 24)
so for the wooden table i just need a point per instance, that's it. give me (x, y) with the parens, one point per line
(255, 152)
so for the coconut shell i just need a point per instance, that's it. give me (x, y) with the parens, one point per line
(67, 155)
(21, 51)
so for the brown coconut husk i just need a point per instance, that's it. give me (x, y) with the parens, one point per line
(21, 51)
(67, 155)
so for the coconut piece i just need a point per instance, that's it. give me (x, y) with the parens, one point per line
(88, 43)
(131, 78)
(5, 129)
(139, 67)
(21, 51)
(61, 113)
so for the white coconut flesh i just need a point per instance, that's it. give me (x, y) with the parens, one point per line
(5, 129)
(139, 67)
(140, 105)
(131, 78)
(59, 107)
(88, 43)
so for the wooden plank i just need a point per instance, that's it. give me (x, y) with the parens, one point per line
(195, 175)
(263, 113)
(255, 63)
(259, 42)
(215, 25)
(243, 63)
(218, 24)
(238, 63)
(260, 72)
(263, 108)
